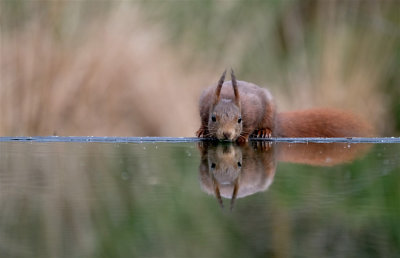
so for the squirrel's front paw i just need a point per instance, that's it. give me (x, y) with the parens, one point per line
(201, 132)
(242, 139)
(263, 133)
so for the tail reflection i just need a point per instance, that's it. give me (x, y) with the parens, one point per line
(321, 154)
(232, 171)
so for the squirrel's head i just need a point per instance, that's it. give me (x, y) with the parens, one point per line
(225, 121)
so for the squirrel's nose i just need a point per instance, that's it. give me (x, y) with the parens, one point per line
(227, 135)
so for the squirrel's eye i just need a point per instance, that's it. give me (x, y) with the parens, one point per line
(213, 118)
(239, 164)
(239, 120)
(213, 165)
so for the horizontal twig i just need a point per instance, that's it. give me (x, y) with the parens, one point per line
(189, 139)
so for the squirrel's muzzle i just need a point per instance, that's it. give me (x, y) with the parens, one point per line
(227, 135)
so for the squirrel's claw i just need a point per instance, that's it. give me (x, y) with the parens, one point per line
(263, 133)
(200, 132)
(242, 139)
(268, 133)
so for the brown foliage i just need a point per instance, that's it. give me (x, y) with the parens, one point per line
(115, 80)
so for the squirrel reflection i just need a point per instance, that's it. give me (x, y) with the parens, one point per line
(233, 171)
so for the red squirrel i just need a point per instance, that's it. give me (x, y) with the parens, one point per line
(236, 110)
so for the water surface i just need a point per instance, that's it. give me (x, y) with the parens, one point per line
(167, 199)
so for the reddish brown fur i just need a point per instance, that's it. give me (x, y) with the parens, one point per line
(321, 123)
(258, 112)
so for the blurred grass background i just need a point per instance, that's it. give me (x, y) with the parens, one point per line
(137, 68)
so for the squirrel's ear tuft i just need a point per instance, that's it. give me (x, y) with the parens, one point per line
(216, 191)
(235, 87)
(234, 193)
(219, 87)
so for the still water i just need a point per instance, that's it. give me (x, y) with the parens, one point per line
(198, 199)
